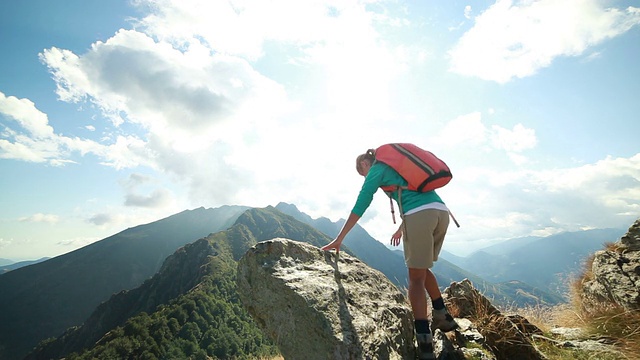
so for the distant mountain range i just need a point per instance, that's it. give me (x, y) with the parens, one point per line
(196, 288)
(5, 262)
(8, 265)
(548, 263)
(391, 263)
(44, 299)
(102, 287)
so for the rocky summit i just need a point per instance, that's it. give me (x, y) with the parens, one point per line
(316, 305)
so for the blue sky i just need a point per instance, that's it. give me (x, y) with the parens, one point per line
(119, 113)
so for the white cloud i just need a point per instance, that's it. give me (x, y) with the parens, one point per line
(127, 152)
(185, 101)
(204, 114)
(137, 184)
(158, 198)
(469, 132)
(241, 29)
(25, 113)
(35, 140)
(77, 242)
(41, 218)
(520, 203)
(175, 93)
(465, 130)
(201, 95)
(106, 219)
(516, 140)
(514, 39)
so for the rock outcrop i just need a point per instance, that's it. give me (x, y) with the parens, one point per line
(507, 337)
(315, 306)
(615, 273)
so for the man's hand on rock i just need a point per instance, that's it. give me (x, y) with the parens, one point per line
(335, 244)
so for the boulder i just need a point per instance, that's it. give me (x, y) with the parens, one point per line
(500, 333)
(631, 240)
(615, 273)
(316, 306)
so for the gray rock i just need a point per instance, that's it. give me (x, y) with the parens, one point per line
(574, 338)
(315, 307)
(568, 333)
(616, 274)
(501, 335)
(631, 240)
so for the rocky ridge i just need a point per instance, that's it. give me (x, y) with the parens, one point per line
(315, 305)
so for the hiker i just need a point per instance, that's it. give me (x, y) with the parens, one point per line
(425, 221)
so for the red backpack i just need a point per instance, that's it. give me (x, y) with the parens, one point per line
(422, 170)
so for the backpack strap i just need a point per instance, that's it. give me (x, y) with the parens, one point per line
(393, 213)
(388, 192)
(399, 190)
(453, 218)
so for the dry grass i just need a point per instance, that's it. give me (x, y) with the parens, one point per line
(610, 321)
(501, 336)
(599, 320)
(548, 317)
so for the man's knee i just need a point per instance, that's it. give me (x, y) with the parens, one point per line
(417, 276)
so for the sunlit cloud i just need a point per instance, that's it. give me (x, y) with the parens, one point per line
(515, 39)
(469, 131)
(35, 140)
(223, 103)
(41, 218)
(516, 140)
(77, 242)
(25, 113)
(519, 203)
(465, 130)
(143, 191)
(202, 108)
(467, 11)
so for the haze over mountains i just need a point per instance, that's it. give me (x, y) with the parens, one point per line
(7, 265)
(43, 300)
(548, 263)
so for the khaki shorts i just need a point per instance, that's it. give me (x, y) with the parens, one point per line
(423, 236)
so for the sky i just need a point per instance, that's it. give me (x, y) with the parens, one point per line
(119, 113)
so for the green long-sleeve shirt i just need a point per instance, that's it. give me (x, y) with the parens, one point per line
(382, 175)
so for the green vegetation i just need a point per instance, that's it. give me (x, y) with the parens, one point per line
(207, 322)
(45, 299)
(189, 310)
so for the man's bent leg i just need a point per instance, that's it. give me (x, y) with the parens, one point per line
(418, 300)
(417, 295)
(431, 285)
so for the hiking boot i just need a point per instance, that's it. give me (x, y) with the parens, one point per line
(442, 320)
(425, 347)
